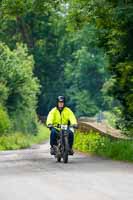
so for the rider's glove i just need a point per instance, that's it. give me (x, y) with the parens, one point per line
(58, 125)
(75, 125)
(50, 126)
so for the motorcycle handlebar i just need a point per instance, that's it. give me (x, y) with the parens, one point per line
(75, 126)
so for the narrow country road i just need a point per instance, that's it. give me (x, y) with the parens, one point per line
(32, 174)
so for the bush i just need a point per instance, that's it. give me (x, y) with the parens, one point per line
(110, 118)
(101, 145)
(20, 141)
(117, 149)
(87, 142)
(25, 122)
(4, 121)
(18, 87)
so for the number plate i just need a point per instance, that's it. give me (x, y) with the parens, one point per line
(64, 127)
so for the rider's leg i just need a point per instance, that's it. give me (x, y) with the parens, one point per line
(53, 137)
(71, 141)
(53, 140)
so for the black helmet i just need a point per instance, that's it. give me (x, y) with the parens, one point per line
(61, 99)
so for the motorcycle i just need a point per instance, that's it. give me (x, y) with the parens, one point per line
(62, 148)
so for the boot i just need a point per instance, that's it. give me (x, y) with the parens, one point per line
(52, 151)
(71, 152)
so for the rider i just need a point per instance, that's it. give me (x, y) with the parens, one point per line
(60, 114)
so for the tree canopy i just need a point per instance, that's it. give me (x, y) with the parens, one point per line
(82, 49)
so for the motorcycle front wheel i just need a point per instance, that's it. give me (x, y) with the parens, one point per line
(66, 150)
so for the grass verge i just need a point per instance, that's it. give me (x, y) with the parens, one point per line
(21, 141)
(96, 144)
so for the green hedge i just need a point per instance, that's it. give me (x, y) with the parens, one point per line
(20, 140)
(4, 121)
(103, 146)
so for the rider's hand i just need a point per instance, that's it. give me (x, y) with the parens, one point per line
(58, 125)
(75, 126)
(50, 126)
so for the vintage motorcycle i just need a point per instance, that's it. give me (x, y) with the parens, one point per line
(62, 148)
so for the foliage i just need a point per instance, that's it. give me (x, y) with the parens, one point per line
(35, 26)
(110, 118)
(43, 27)
(114, 22)
(87, 142)
(101, 145)
(19, 140)
(5, 123)
(86, 72)
(83, 49)
(19, 87)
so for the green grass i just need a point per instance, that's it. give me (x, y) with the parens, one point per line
(96, 144)
(21, 141)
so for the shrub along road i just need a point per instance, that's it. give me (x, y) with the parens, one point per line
(32, 174)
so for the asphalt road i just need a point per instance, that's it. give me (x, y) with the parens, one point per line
(33, 174)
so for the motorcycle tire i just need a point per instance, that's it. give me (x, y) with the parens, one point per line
(66, 150)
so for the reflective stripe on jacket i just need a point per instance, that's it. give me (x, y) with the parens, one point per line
(56, 117)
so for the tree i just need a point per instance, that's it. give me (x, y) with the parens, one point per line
(34, 23)
(86, 72)
(20, 87)
(114, 22)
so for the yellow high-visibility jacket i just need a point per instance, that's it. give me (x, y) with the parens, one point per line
(56, 117)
